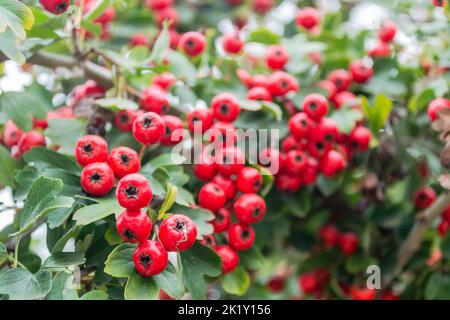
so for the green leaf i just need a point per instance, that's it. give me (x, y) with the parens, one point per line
(420, 101)
(327, 186)
(3, 251)
(252, 105)
(61, 243)
(65, 133)
(171, 195)
(140, 288)
(438, 287)
(180, 66)
(64, 259)
(346, 118)
(236, 282)
(63, 287)
(265, 36)
(8, 167)
(9, 46)
(251, 259)
(119, 263)
(196, 263)
(94, 212)
(43, 158)
(20, 284)
(95, 295)
(21, 11)
(379, 112)
(170, 281)
(116, 104)
(161, 45)
(97, 10)
(201, 218)
(11, 21)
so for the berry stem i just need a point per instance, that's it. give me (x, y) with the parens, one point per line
(142, 152)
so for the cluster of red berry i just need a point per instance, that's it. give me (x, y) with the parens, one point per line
(20, 142)
(385, 36)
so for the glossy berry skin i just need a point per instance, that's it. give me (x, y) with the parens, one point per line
(276, 284)
(241, 237)
(232, 43)
(123, 161)
(139, 39)
(97, 179)
(276, 57)
(341, 79)
(318, 147)
(360, 71)
(446, 214)
(362, 293)
(158, 4)
(177, 233)
(296, 161)
(379, 50)
(443, 228)
(360, 138)
(388, 31)
(124, 119)
(192, 43)
(439, 3)
(259, 94)
(290, 143)
(150, 258)
(221, 132)
(91, 149)
(436, 105)
(330, 235)
(30, 140)
(225, 107)
(280, 83)
(343, 98)
(170, 14)
(173, 123)
(211, 197)
(149, 128)
(203, 116)
(227, 185)
(205, 167)
(348, 243)
(154, 99)
(245, 77)
(315, 106)
(424, 197)
(164, 80)
(262, 6)
(222, 221)
(133, 226)
(300, 126)
(55, 6)
(229, 257)
(249, 208)
(230, 161)
(11, 134)
(308, 283)
(288, 183)
(329, 87)
(307, 18)
(133, 192)
(309, 174)
(327, 130)
(249, 180)
(332, 163)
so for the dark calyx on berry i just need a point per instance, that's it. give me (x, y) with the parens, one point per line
(145, 260)
(131, 192)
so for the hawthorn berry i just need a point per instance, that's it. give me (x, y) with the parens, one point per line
(308, 283)
(300, 126)
(97, 179)
(249, 208)
(164, 80)
(150, 258)
(158, 4)
(91, 149)
(360, 71)
(332, 163)
(241, 236)
(29, 140)
(262, 6)
(177, 233)
(222, 220)
(227, 185)
(11, 134)
(329, 87)
(208, 241)
(341, 79)
(288, 182)
(348, 243)
(360, 138)
(232, 43)
(222, 132)
(280, 83)
(203, 116)
(133, 226)
(443, 227)
(108, 15)
(296, 161)
(229, 257)
(446, 214)
(173, 124)
(307, 18)
(124, 119)
(276, 284)
(192, 43)
(379, 50)
(230, 161)
(260, 80)
(170, 14)
(439, 3)
(212, 197)
(290, 143)
(388, 31)
(40, 124)
(362, 293)
(249, 180)
(259, 94)
(245, 77)
(205, 167)
(315, 106)
(55, 6)
(330, 235)
(436, 105)
(123, 161)
(318, 147)
(154, 99)
(149, 128)
(139, 39)
(134, 192)
(309, 174)
(225, 107)
(276, 57)
(343, 98)
(424, 197)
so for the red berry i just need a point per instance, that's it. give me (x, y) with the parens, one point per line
(97, 179)
(158, 4)
(222, 220)
(308, 283)
(332, 163)
(439, 3)
(124, 120)
(108, 15)
(91, 149)
(226, 184)
(309, 175)
(241, 236)
(232, 43)
(230, 161)
(330, 235)
(315, 106)
(174, 130)
(341, 79)
(271, 159)
(276, 284)
(133, 192)
(250, 208)
(55, 6)
(290, 143)
(296, 161)
(446, 214)
(149, 128)
(262, 6)
(329, 87)
(300, 126)
(40, 124)
(222, 132)
(344, 98)
(360, 138)
(245, 77)
(380, 49)
(307, 18)
(225, 107)
(164, 80)
(360, 71)
(208, 241)
(154, 99)
(229, 257)
(11, 134)
(150, 258)
(249, 180)
(318, 147)
(192, 43)
(348, 242)
(436, 105)
(288, 182)
(211, 197)
(280, 83)
(443, 228)
(276, 57)
(260, 80)
(388, 31)
(202, 116)
(327, 131)
(259, 94)
(205, 166)
(139, 39)
(133, 226)
(177, 233)
(424, 197)
(170, 14)
(362, 293)
(123, 161)
(30, 140)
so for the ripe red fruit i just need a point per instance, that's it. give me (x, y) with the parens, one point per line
(158, 4)
(260, 80)
(124, 120)
(173, 123)
(308, 283)
(360, 138)
(192, 43)
(326, 131)
(300, 126)
(362, 293)
(205, 166)
(330, 235)
(360, 71)
(222, 220)
(97, 179)
(290, 143)
(262, 6)
(150, 258)
(123, 161)
(329, 87)
(139, 39)
(226, 184)
(348, 242)
(108, 15)
(164, 80)
(249, 180)
(91, 149)
(208, 241)
(133, 192)
(249, 208)
(424, 197)
(241, 236)
(344, 98)
(318, 147)
(211, 197)
(380, 49)
(443, 228)
(245, 77)
(203, 116)
(288, 182)
(276, 284)
(307, 18)
(148, 128)
(436, 105)
(232, 43)
(315, 106)
(229, 257)
(296, 161)
(271, 159)
(55, 6)
(177, 233)
(170, 14)
(280, 83)
(309, 175)
(388, 31)
(332, 163)
(446, 214)
(30, 140)
(40, 124)
(221, 132)
(341, 79)
(11, 134)
(259, 94)
(225, 107)
(154, 99)
(133, 226)
(276, 57)
(230, 161)
(439, 3)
